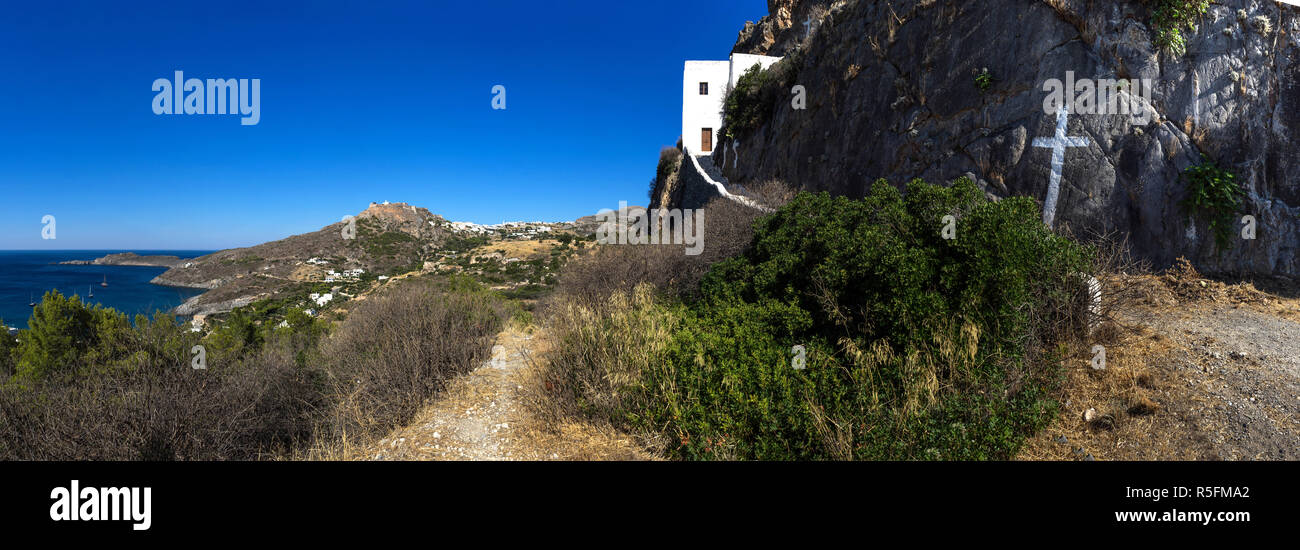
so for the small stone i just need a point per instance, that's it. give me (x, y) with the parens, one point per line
(1062, 439)
(1088, 458)
(1089, 415)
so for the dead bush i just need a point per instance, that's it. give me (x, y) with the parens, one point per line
(728, 230)
(597, 354)
(394, 351)
(242, 411)
(390, 355)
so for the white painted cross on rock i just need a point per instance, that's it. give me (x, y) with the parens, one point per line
(1058, 144)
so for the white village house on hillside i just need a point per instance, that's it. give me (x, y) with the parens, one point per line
(704, 85)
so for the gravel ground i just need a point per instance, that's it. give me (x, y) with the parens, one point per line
(1245, 364)
(1219, 365)
(472, 419)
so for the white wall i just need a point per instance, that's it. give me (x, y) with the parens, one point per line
(741, 62)
(702, 111)
(705, 111)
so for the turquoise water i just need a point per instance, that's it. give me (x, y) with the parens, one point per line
(27, 274)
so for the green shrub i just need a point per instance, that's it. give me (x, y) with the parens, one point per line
(983, 80)
(1170, 19)
(748, 105)
(94, 387)
(459, 243)
(1214, 196)
(386, 243)
(670, 159)
(65, 336)
(7, 345)
(916, 347)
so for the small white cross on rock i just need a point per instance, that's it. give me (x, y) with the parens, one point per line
(1058, 144)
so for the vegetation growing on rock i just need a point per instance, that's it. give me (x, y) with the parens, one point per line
(1171, 20)
(1213, 196)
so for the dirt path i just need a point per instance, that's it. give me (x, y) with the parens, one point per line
(483, 415)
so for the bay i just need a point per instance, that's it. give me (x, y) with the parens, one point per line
(27, 274)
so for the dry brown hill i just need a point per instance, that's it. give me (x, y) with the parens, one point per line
(388, 239)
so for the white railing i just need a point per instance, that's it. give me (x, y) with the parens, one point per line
(722, 189)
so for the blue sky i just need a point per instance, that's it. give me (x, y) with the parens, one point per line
(360, 102)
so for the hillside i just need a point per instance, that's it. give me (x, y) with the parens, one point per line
(129, 259)
(940, 89)
(389, 239)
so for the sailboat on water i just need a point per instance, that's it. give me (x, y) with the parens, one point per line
(31, 302)
(105, 283)
(92, 291)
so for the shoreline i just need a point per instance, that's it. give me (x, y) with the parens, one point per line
(41, 271)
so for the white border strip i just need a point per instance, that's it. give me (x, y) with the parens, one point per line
(722, 189)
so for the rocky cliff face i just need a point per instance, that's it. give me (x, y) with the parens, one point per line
(892, 93)
(775, 33)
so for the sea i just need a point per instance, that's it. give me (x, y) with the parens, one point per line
(25, 276)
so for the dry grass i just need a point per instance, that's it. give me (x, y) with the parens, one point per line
(1156, 399)
(1124, 395)
(592, 362)
(484, 415)
(523, 250)
(1184, 284)
(393, 353)
(603, 328)
(568, 438)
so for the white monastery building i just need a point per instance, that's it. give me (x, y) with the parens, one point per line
(704, 85)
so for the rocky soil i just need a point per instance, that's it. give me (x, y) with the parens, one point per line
(1204, 371)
